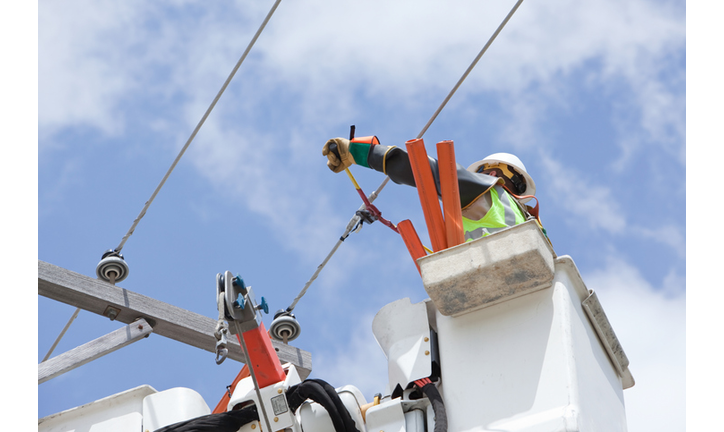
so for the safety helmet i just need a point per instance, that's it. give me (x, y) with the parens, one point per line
(511, 161)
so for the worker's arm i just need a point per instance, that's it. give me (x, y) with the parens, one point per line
(395, 162)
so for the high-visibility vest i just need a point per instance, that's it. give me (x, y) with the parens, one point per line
(503, 213)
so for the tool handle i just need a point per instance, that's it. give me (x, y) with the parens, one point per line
(333, 148)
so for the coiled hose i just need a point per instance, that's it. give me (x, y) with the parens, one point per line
(229, 421)
(438, 407)
(324, 394)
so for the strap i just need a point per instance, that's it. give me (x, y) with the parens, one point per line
(532, 211)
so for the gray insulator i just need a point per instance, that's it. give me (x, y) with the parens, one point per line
(112, 264)
(282, 325)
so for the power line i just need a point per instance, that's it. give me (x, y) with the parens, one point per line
(198, 126)
(355, 219)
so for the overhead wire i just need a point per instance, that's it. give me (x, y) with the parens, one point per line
(178, 157)
(198, 126)
(356, 218)
(374, 194)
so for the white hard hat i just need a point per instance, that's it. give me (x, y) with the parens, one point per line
(511, 160)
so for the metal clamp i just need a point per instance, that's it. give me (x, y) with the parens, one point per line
(221, 347)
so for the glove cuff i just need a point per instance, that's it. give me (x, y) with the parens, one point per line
(360, 149)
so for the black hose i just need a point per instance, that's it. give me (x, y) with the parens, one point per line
(438, 407)
(229, 421)
(309, 389)
(349, 424)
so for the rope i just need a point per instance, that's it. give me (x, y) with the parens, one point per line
(198, 126)
(356, 218)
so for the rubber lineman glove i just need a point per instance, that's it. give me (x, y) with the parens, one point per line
(338, 158)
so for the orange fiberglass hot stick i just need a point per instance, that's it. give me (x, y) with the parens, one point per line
(450, 192)
(444, 231)
(427, 191)
(412, 241)
(405, 227)
(445, 227)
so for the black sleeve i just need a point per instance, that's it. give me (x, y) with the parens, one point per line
(395, 162)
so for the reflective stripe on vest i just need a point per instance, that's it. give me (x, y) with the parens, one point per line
(503, 213)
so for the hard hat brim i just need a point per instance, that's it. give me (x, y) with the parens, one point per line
(529, 183)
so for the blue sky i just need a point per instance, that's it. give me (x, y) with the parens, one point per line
(592, 97)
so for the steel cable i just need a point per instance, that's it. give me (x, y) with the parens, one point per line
(183, 150)
(198, 126)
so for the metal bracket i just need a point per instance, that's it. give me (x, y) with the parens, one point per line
(111, 312)
(242, 312)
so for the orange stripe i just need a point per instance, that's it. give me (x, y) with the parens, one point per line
(427, 192)
(412, 240)
(450, 192)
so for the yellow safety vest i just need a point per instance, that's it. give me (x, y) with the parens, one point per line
(504, 212)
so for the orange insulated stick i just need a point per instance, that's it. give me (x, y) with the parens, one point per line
(412, 240)
(428, 193)
(449, 190)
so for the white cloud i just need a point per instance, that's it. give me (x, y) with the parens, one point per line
(91, 54)
(90, 59)
(359, 362)
(94, 54)
(650, 323)
(324, 57)
(81, 48)
(668, 235)
(578, 196)
(255, 167)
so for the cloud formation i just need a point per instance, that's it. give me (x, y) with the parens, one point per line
(650, 323)
(143, 74)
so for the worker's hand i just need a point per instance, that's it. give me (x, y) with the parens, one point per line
(338, 155)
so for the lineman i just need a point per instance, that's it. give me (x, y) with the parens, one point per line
(493, 190)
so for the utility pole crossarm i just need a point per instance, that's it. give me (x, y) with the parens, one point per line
(92, 350)
(122, 305)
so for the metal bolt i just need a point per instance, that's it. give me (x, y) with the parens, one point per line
(279, 391)
(427, 352)
(253, 425)
(111, 312)
(276, 419)
(427, 339)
